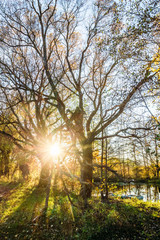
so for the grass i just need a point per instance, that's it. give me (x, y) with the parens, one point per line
(127, 219)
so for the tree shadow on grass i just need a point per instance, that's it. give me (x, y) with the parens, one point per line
(19, 221)
(28, 219)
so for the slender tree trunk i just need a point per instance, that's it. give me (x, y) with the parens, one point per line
(106, 170)
(145, 166)
(135, 162)
(157, 160)
(44, 174)
(55, 188)
(123, 164)
(128, 168)
(86, 172)
(102, 153)
(48, 188)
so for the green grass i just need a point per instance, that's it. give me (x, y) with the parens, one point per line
(21, 217)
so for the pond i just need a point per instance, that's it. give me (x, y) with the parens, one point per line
(149, 192)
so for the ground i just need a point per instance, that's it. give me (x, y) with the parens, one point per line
(21, 206)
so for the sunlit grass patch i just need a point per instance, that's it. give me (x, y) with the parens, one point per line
(153, 208)
(20, 203)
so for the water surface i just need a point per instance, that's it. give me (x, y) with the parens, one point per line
(150, 192)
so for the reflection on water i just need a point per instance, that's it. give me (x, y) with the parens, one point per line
(149, 192)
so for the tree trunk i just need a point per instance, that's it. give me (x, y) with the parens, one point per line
(157, 160)
(44, 175)
(106, 171)
(86, 172)
(102, 154)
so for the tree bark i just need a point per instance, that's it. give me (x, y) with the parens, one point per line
(157, 160)
(44, 174)
(86, 172)
(106, 171)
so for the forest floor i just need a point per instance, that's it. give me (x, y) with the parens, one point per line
(21, 207)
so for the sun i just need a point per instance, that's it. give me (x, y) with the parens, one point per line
(54, 150)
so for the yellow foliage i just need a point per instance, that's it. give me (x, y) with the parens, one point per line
(155, 63)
